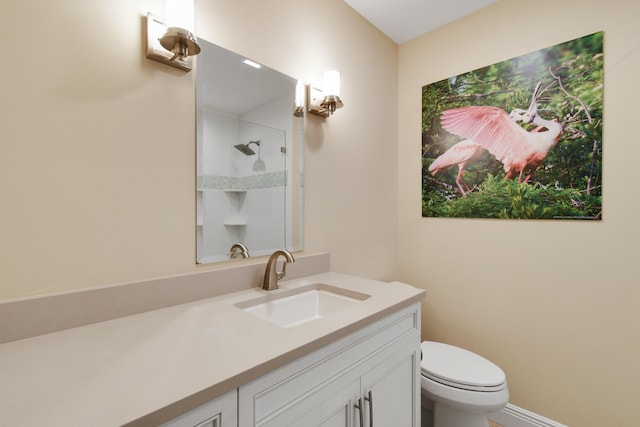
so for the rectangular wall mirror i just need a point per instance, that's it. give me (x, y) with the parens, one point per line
(249, 158)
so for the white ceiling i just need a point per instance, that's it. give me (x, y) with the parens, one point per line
(403, 20)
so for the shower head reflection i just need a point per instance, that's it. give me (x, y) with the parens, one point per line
(245, 149)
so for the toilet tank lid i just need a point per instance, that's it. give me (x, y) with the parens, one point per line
(459, 366)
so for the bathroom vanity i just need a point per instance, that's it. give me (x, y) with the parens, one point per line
(212, 363)
(372, 373)
(374, 370)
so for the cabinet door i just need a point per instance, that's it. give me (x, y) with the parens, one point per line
(392, 390)
(329, 408)
(221, 412)
(388, 394)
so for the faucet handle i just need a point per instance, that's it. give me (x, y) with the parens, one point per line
(281, 274)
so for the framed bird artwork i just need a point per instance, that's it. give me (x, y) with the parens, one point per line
(519, 139)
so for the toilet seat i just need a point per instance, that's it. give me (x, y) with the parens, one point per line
(455, 367)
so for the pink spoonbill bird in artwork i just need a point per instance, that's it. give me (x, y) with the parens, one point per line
(463, 153)
(492, 129)
(460, 154)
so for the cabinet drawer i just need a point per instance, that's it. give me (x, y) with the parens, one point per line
(343, 359)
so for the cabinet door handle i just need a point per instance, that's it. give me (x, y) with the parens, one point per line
(360, 411)
(369, 399)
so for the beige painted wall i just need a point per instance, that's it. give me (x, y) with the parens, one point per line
(97, 177)
(97, 169)
(555, 304)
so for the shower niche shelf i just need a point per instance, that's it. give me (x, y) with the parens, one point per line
(235, 222)
(236, 199)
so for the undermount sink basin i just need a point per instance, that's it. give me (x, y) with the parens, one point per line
(296, 306)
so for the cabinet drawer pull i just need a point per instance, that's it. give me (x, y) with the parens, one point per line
(369, 399)
(360, 411)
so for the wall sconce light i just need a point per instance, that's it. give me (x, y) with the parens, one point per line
(299, 99)
(325, 103)
(172, 41)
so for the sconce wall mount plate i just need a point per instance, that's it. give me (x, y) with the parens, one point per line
(162, 42)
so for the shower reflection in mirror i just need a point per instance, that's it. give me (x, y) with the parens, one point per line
(249, 164)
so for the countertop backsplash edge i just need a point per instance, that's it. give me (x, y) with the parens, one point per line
(29, 317)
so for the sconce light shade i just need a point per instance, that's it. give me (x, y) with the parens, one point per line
(332, 83)
(180, 13)
(171, 41)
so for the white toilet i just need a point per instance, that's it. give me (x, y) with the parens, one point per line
(460, 387)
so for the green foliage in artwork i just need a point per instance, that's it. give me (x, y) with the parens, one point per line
(502, 198)
(569, 182)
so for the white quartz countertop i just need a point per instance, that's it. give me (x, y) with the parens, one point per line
(147, 368)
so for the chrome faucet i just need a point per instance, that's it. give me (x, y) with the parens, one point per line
(271, 274)
(238, 249)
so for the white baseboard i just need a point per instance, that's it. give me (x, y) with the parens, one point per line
(514, 416)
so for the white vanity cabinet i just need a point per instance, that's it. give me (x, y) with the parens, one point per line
(220, 412)
(368, 378)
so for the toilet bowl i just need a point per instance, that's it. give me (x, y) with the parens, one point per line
(462, 387)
